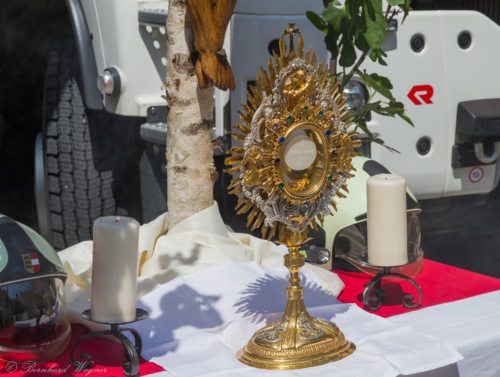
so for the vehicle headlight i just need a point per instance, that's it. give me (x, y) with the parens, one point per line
(109, 82)
(316, 254)
(356, 95)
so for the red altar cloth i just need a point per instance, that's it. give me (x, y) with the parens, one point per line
(440, 283)
(107, 355)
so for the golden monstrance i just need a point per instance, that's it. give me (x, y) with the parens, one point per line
(294, 156)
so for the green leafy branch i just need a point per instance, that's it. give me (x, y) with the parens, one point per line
(354, 31)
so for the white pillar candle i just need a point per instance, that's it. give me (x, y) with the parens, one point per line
(386, 217)
(114, 269)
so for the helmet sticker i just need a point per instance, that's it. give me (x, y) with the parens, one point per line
(31, 262)
(25, 259)
(43, 247)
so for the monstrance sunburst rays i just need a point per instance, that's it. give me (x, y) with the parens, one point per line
(295, 89)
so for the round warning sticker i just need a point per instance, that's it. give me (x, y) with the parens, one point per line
(476, 174)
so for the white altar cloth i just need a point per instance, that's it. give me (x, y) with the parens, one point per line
(199, 242)
(199, 321)
(208, 289)
(471, 325)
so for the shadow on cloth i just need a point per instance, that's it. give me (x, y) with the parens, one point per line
(166, 270)
(180, 308)
(267, 296)
(166, 261)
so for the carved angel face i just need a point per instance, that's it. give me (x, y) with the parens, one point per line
(298, 84)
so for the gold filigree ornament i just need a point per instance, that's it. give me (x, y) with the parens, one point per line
(293, 157)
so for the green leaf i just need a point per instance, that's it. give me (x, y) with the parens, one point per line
(332, 12)
(335, 15)
(378, 55)
(347, 55)
(331, 43)
(374, 19)
(406, 9)
(361, 42)
(370, 137)
(317, 21)
(396, 2)
(382, 143)
(407, 119)
(367, 108)
(393, 108)
(364, 127)
(397, 104)
(383, 111)
(360, 25)
(378, 83)
(404, 5)
(353, 7)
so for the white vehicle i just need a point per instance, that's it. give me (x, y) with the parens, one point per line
(443, 68)
(442, 63)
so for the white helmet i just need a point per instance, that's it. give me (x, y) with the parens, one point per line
(33, 325)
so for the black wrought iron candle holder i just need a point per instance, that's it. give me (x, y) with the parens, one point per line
(132, 350)
(374, 301)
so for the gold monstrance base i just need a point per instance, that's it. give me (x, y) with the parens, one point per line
(297, 340)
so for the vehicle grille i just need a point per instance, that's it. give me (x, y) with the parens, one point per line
(490, 8)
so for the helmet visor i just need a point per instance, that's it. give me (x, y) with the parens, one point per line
(32, 321)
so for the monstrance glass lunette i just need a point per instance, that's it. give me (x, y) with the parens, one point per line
(293, 158)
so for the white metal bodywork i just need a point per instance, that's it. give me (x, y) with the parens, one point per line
(455, 75)
(136, 51)
(248, 53)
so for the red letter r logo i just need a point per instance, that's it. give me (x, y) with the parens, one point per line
(421, 94)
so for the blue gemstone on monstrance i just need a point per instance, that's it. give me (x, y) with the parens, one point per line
(282, 139)
(289, 118)
(328, 132)
(320, 114)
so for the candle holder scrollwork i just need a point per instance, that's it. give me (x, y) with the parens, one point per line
(132, 350)
(374, 294)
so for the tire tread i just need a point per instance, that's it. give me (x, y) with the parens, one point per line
(77, 192)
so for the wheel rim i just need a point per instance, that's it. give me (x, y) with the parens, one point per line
(41, 190)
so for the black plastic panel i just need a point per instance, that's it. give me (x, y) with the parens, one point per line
(479, 121)
(87, 78)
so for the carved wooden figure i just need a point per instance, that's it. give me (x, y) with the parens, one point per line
(210, 19)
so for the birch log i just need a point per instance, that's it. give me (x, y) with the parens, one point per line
(190, 122)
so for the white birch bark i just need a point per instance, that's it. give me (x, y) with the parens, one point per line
(189, 123)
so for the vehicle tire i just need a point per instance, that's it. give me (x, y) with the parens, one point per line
(2, 126)
(70, 192)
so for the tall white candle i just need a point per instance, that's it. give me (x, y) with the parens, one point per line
(114, 269)
(386, 212)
